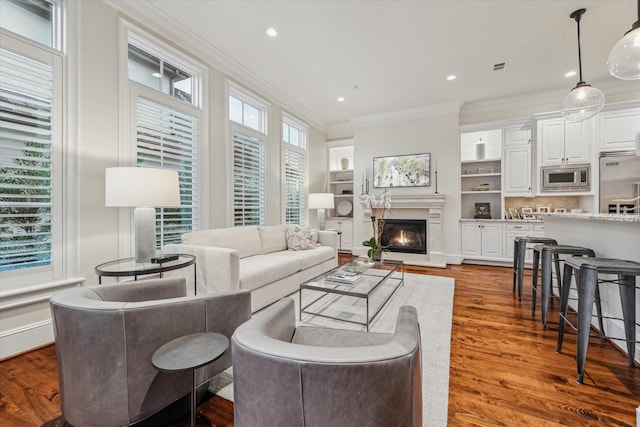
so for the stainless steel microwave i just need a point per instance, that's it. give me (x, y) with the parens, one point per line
(566, 178)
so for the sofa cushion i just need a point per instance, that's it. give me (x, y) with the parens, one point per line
(309, 258)
(259, 270)
(245, 240)
(298, 240)
(273, 238)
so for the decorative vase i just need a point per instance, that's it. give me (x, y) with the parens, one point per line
(376, 255)
(344, 163)
(480, 150)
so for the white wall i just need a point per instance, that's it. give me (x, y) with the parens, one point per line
(436, 133)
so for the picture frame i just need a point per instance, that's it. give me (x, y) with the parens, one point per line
(482, 210)
(543, 209)
(526, 210)
(413, 170)
(529, 216)
(514, 213)
(560, 210)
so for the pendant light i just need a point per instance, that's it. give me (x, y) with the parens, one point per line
(584, 101)
(624, 58)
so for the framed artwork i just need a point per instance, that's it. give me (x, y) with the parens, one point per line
(560, 210)
(526, 210)
(529, 216)
(412, 170)
(545, 209)
(514, 214)
(483, 211)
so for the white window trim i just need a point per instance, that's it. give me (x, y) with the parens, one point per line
(127, 135)
(35, 288)
(288, 119)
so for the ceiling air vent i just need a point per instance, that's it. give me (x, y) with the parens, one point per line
(500, 66)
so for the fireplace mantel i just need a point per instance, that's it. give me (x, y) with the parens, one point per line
(419, 206)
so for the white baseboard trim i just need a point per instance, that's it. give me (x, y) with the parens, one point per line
(23, 339)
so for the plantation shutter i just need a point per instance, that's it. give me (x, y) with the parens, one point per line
(26, 156)
(167, 138)
(249, 174)
(294, 190)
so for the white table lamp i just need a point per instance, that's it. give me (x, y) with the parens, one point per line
(143, 189)
(321, 201)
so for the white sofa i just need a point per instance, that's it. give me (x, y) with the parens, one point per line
(253, 258)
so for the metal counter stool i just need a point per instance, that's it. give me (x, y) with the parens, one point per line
(588, 270)
(519, 251)
(549, 253)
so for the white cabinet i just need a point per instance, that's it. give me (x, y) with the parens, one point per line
(517, 170)
(618, 130)
(344, 226)
(563, 142)
(517, 162)
(482, 239)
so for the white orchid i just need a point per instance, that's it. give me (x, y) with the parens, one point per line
(380, 207)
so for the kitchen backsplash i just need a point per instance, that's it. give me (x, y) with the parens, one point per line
(566, 202)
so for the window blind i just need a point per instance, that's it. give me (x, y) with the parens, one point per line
(294, 190)
(26, 138)
(167, 138)
(249, 177)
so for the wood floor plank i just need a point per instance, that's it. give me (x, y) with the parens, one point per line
(504, 369)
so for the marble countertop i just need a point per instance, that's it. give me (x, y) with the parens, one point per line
(519, 221)
(596, 216)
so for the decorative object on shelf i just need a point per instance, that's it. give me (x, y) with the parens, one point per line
(507, 214)
(526, 210)
(402, 171)
(436, 192)
(560, 210)
(543, 209)
(514, 213)
(624, 58)
(344, 208)
(529, 216)
(584, 101)
(321, 201)
(480, 150)
(483, 211)
(481, 187)
(143, 189)
(380, 207)
(344, 163)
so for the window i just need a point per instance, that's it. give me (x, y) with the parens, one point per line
(36, 20)
(167, 138)
(294, 160)
(166, 125)
(248, 116)
(31, 150)
(249, 179)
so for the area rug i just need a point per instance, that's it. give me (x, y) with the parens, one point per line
(433, 297)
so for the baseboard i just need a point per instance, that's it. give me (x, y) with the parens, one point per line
(26, 338)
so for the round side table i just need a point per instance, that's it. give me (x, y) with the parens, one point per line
(190, 352)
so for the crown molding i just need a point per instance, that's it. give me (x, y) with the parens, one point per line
(408, 114)
(145, 13)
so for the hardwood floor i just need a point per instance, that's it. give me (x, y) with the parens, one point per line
(504, 368)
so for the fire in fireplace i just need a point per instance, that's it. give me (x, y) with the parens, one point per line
(405, 235)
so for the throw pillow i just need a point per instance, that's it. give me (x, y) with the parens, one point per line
(300, 240)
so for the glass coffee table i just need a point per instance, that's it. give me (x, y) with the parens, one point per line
(353, 292)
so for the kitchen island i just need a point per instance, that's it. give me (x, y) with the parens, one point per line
(610, 236)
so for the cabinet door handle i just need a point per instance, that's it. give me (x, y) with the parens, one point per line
(517, 226)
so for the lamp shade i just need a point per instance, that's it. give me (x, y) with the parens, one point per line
(138, 186)
(624, 58)
(321, 201)
(583, 102)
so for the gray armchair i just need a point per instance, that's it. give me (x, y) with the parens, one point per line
(311, 376)
(105, 337)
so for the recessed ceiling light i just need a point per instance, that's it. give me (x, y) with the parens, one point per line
(451, 77)
(272, 32)
(156, 75)
(341, 99)
(570, 73)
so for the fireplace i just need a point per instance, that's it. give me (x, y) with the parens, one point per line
(405, 235)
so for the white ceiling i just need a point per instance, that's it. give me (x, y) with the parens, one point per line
(384, 56)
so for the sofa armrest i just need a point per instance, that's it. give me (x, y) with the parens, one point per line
(328, 238)
(217, 269)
